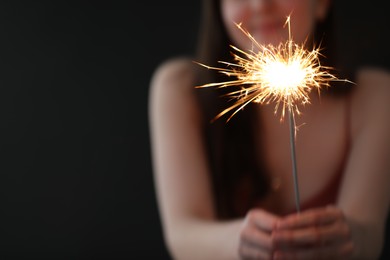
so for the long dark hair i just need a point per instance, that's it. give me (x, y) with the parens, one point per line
(237, 174)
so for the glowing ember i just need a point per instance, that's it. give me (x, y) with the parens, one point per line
(284, 74)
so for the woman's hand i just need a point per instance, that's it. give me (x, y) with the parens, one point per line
(256, 235)
(321, 233)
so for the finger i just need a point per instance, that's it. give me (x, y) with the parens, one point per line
(262, 219)
(315, 235)
(341, 251)
(250, 252)
(254, 237)
(313, 217)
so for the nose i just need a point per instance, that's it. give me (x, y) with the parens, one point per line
(260, 5)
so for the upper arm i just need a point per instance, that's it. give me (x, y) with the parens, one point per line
(179, 164)
(365, 192)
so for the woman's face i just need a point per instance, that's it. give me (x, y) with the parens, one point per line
(265, 19)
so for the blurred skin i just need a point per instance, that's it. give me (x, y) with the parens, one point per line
(265, 20)
(343, 129)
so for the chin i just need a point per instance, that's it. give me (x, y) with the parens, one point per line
(273, 39)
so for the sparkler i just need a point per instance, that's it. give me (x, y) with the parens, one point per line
(284, 74)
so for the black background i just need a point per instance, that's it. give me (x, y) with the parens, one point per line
(75, 169)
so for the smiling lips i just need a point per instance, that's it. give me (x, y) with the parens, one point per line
(267, 27)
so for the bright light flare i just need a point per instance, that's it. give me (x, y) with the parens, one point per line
(284, 74)
(293, 75)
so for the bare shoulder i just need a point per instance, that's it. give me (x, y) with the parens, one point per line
(172, 89)
(371, 99)
(373, 81)
(172, 74)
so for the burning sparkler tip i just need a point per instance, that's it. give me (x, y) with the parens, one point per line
(284, 74)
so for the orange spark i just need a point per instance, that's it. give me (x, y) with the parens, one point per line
(284, 74)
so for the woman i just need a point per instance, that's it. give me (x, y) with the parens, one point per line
(225, 189)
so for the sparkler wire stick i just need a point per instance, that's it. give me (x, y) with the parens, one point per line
(293, 134)
(293, 158)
